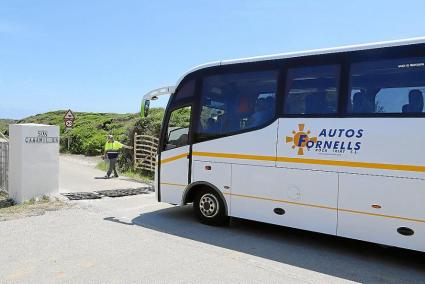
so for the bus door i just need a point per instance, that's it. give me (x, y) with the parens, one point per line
(309, 188)
(175, 156)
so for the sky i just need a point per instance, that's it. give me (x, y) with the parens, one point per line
(104, 55)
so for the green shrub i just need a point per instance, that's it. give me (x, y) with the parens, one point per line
(90, 131)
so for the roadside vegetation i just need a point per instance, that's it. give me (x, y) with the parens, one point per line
(88, 136)
(33, 207)
(4, 125)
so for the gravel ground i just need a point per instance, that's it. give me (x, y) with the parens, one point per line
(33, 208)
(134, 239)
(137, 240)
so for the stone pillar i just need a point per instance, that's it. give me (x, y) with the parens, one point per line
(33, 161)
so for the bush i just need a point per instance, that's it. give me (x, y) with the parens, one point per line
(93, 145)
(150, 125)
(89, 135)
(90, 131)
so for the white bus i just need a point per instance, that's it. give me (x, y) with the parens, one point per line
(330, 141)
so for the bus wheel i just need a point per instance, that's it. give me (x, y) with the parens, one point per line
(209, 208)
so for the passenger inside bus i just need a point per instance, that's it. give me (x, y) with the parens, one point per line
(393, 86)
(416, 102)
(254, 111)
(263, 111)
(362, 103)
(236, 102)
(370, 101)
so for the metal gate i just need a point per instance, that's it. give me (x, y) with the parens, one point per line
(145, 149)
(4, 163)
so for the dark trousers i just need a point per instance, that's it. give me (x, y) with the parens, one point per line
(112, 165)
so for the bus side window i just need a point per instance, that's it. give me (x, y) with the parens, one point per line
(236, 102)
(312, 90)
(178, 128)
(387, 86)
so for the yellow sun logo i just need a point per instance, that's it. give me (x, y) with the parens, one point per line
(300, 139)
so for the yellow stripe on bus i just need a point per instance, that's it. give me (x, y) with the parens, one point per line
(324, 207)
(281, 201)
(395, 167)
(167, 160)
(174, 184)
(381, 215)
(367, 165)
(235, 156)
(309, 205)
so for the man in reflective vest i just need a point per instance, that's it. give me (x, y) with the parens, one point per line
(112, 149)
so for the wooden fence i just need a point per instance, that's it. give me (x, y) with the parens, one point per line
(145, 149)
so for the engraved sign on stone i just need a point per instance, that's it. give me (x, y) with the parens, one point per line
(41, 138)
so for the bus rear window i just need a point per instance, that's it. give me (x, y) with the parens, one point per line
(394, 86)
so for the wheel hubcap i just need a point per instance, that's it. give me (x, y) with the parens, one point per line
(209, 205)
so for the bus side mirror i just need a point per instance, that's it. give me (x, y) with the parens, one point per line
(144, 111)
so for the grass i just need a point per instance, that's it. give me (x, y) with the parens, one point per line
(5, 201)
(143, 177)
(32, 207)
(3, 195)
(102, 166)
(31, 202)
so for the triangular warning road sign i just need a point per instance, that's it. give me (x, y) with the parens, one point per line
(69, 115)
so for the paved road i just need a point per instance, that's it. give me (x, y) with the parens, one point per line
(135, 239)
(78, 174)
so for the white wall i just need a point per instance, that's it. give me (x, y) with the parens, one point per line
(34, 160)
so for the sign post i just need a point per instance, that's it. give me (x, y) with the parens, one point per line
(69, 123)
(69, 119)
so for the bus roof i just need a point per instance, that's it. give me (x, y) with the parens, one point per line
(346, 48)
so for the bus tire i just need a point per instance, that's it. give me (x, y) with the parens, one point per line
(209, 208)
